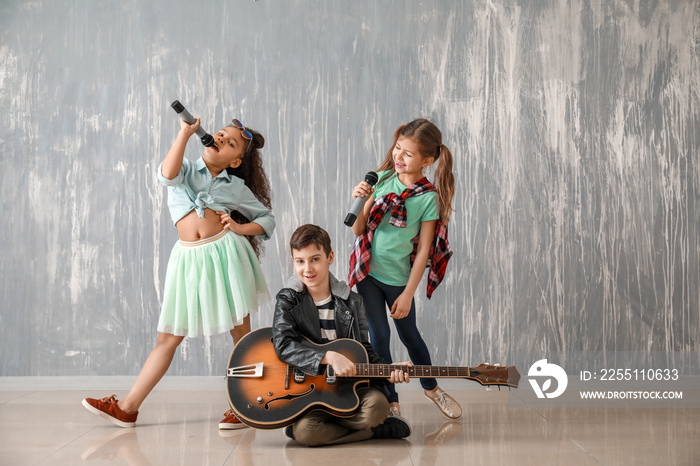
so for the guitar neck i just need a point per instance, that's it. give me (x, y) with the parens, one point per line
(385, 370)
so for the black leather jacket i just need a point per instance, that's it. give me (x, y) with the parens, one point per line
(296, 315)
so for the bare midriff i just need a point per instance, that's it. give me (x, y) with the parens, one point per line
(192, 228)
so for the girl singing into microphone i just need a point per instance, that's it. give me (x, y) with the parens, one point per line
(220, 205)
(401, 229)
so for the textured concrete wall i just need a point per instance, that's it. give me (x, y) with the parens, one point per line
(575, 127)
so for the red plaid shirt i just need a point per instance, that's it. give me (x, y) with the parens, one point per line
(440, 251)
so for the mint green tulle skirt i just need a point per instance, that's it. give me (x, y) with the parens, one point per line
(211, 286)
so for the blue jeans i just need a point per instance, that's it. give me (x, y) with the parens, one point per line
(377, 296)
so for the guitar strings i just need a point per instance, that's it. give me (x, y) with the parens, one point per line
(364, 369)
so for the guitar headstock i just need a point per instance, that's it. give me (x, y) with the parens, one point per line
(487, 374)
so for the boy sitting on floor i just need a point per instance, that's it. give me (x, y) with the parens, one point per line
(317, 306)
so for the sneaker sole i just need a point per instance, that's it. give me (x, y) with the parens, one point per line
(232, 426)
(408, 424)
(104, 415)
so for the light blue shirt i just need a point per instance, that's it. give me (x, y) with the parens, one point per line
(194, 189)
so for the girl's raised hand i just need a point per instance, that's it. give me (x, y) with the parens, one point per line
(189, 129)
(362, 190)
(401, 307)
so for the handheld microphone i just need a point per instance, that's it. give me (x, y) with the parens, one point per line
(205, 137)
(371, 178)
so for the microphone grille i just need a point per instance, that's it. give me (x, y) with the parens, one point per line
(371, 178)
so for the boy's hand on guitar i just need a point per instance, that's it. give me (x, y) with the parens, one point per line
(342, 366)
(399, 376)
(402, 306)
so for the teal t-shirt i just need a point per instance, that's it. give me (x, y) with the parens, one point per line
(390, 261)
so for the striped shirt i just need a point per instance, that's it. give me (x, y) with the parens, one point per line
(326, 318)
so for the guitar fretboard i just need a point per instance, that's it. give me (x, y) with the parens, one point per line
(385, 370)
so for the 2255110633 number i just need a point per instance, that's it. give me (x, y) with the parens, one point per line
(638, 374)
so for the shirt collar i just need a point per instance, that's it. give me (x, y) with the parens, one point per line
(200, 165)
(338, 288)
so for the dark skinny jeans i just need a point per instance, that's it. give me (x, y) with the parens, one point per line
(377, 296)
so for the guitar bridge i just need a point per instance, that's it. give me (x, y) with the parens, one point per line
(251, 370)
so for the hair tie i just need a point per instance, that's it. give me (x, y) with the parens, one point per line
(439, 151)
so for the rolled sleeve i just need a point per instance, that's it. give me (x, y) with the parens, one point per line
(254, 210)
(268, 223)
(178, 178)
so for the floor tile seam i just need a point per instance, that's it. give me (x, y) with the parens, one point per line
(556, 426)
(233, 450)
(61, 448)
(583, 449)
(23, 395)
(408, 446)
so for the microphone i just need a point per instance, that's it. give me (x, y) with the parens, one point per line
(370, 178)
(180, 109)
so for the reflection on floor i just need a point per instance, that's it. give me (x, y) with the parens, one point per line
(180, 427)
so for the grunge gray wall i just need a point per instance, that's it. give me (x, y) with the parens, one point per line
(575, 127)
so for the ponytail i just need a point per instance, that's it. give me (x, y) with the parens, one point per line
(445, 182)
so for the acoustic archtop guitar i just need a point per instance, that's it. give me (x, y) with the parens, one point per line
(266, 393)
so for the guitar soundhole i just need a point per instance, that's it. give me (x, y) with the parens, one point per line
(290, 397)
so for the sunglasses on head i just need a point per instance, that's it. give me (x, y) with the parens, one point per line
(244, 132)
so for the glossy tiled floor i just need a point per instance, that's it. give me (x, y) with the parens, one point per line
(180, 427)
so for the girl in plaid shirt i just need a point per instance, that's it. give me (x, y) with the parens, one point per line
(401, 230)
